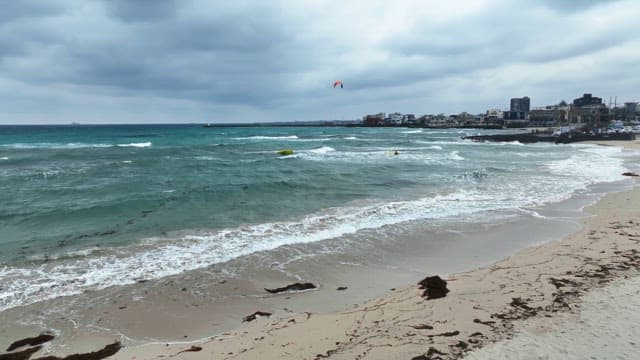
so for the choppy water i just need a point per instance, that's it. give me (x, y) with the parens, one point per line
(87, 207)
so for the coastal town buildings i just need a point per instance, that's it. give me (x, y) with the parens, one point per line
(585, 111)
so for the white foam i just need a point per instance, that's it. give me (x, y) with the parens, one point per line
(138, 145)
(589, 166)
(4, 158)
(206, 158)
(292, 156)
(412, 131)
(69, 145)
(351, 138)
(54, 145)
(322, 150)
(127, 161)
(260, 137)
(455, 155)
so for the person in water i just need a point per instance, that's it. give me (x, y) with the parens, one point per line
(396, 152)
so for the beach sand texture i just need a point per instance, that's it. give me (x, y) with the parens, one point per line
(558, 300)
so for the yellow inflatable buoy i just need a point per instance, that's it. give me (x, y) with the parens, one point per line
(285, 152)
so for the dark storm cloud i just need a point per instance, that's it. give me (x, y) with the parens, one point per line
(245, 57)
(216, 58)
(12, 11)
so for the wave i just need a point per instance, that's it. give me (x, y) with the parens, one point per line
(54, 146)
(590, 165)
(138, 145)
(412, 131)
(4, 158)
(322, 150)
(285, 138)
(66, 255)
(70, 145)
(164, 257)
(206, 158)
(261, 137)
(455, 155)
(481, 190)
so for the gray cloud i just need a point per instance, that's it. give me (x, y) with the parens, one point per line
(141, 10)
(568, 6)
(13, 11)
(247, 59)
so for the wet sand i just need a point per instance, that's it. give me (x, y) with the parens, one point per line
(483, 306)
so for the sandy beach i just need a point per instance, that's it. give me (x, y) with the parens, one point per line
(487, 313)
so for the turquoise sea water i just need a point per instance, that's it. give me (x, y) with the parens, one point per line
(86, 207)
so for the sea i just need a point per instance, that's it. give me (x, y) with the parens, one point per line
(85, 208)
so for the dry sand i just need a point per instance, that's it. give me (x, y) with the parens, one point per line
(535, 291)
(606, 327)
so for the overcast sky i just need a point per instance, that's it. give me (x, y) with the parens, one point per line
(138, 61)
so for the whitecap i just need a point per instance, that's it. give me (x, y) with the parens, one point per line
(455, 155)
(138, 145)
(261, 137)
(54, 145)
(322, 150)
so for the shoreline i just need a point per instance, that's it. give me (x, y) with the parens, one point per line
(366, 329)
(392, 319)
(483, 306)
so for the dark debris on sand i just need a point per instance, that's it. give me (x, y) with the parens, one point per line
(292, 287)
(594, 273)
(434, 287)
(255, 316)
(32, 341)
(26, 354)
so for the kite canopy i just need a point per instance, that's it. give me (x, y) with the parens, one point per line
(338, 83)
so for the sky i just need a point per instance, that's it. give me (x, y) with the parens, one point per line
(181, 61)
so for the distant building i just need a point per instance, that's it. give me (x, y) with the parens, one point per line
(586, 100)
(373, 120)
(515, 115)
(494, 114)
(394, 118)
(590, 110)
(552, 115)
(595, 114)
(631, 111)
(409, 119)
(520, 104)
